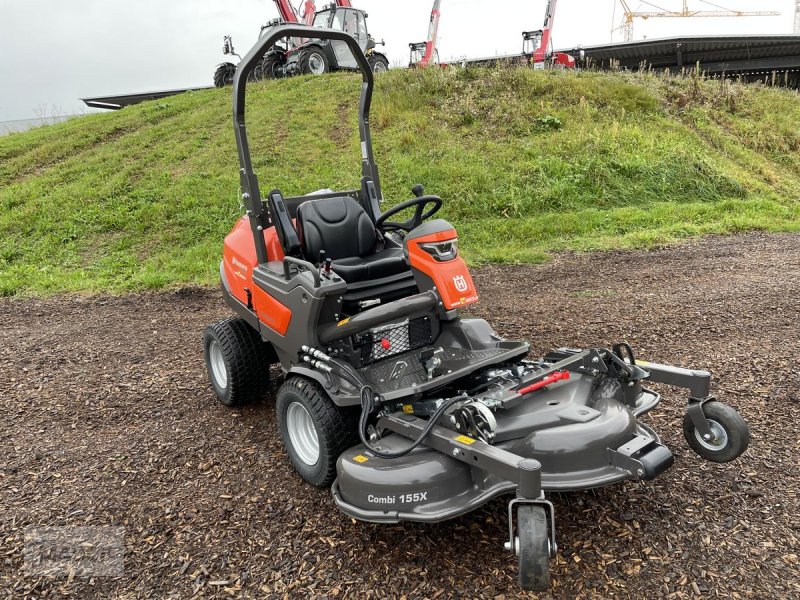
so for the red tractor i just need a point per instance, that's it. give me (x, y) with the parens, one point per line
(318, 56)
(297, 56)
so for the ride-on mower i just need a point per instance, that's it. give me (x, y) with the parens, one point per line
(411, 411)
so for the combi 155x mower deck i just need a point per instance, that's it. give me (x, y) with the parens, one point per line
(409, 410)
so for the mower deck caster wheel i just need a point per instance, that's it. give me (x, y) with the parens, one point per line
(314, 430)
(729, 438)
(533, 547)
(237, 360)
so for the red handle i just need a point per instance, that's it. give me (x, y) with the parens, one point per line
(557, 376)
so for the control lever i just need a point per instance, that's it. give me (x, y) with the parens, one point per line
(321, 262)
(418, 190)
(431, 360)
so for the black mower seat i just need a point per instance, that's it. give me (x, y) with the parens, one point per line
(342, 228)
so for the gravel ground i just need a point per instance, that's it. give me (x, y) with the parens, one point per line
(107, 418)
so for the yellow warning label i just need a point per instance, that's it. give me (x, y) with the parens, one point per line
(408, 409)
(360, 458)
(342, 322)
(464, 439)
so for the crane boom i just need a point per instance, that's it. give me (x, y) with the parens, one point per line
(424, 53)
(286, 11)
(433, 32)
(685, 12)
(549, 15)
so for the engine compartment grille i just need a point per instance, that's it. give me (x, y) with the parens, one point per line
(388, 340)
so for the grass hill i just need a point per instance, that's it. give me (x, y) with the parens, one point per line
(528, 162)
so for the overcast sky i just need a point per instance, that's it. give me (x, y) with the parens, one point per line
(53, 52)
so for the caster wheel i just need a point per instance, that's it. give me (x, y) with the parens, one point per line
(730, 435)
(534, 548)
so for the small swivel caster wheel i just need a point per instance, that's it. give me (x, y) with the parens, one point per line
(533, 548)
(729, 438)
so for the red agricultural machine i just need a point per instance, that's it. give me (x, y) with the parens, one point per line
(425, 53)
(536, 44)
(297, 56)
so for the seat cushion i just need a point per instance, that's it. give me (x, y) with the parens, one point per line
(382, 264)
(339, 226)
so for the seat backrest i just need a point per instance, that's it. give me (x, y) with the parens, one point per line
(340, 226)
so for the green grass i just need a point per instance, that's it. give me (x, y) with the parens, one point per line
(528, 162)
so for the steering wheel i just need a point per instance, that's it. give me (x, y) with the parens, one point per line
(420, 214)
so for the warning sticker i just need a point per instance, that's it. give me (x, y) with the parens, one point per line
(464, 439)
(408, 409)
(342, 322)
(360, 458)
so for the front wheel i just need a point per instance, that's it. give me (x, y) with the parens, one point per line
(378, 64)
(314, 431)
(271, 66)
(223, 76)
(729, 438)
(533, 545)
(314, 62)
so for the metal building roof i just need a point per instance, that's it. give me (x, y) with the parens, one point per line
(716, 54)
(122, 100)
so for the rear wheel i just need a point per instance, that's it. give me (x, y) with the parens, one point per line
(237, 361)
(534, 548)
(314, 62)
(223, 76)
(730, 435)
(314, 431)
(270, 65)
(378, 64)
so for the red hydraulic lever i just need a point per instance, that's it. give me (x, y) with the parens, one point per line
(557, 376)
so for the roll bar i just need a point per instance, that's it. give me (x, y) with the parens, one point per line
(251, 195)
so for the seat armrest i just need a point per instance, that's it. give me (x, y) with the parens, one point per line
(287, 234)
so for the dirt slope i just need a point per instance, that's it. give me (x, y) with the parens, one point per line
(107, 419)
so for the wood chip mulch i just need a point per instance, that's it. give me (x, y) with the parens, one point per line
(107, 419)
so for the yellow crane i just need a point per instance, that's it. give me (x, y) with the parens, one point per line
(720, 11)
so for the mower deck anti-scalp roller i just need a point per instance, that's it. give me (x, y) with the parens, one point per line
(407, 409)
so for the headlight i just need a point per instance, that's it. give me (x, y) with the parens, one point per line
(442, 251)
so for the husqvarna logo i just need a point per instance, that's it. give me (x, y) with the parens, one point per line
(460, 283)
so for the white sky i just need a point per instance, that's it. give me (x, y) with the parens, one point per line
(53, 52)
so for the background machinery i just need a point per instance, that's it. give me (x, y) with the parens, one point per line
(425, 53)
(295, 56)
(288, 14)
(536, 44)
(317, 56)
(720, 11)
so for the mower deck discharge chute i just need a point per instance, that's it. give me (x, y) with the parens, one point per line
(410, 411)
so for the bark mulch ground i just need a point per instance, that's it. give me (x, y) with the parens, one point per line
(107, 418)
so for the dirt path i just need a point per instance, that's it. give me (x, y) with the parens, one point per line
(107, 418)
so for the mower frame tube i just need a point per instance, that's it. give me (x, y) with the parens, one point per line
(526, 473)
(698, 383)
(251, 195)
(416, 305)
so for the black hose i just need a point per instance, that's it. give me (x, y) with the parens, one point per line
(368, 406)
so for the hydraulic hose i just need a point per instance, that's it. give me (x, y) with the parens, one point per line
(368, 406)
